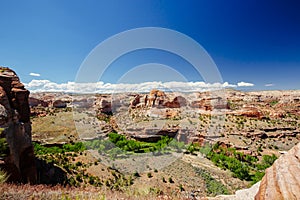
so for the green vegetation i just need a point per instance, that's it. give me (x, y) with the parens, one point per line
(213, 187)
(149, 175)
(41, 150)
(4, 149)
(3, 176)
(64, 157)
(171, 180)
(244, 167)
(273, 103)
(136, 146)
(118, 145)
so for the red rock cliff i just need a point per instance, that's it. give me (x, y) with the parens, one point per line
(15, 122)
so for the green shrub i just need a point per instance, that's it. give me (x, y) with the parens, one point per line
(136, 174)
(136, 146)
(171, 180)
(4, 149)
(213, 187)
(149, 175)
(3, 176)
(244, 167)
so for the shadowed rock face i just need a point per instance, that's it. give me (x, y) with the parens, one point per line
(282, 180)
(15, 119)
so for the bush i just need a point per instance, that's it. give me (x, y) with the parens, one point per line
(268, 160)
(136, 146)
(171, 180)
(244, 167)
(149, 175)
(41, 150)
(4, 149)
(136, 174)
(3, 176)
(213, 187)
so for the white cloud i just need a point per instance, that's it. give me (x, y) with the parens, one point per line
(269, 85)
(34, 74)
(100, 87)
(244, 84)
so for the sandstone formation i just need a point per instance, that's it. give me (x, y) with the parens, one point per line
(177, 102)
(282, 180)
(33, 102)
(135, 101)
(210, 103)
(105, 106)
(248, 111)
(156, 98)
(15, 120)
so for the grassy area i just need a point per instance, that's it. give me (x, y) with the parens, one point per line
(59, 127)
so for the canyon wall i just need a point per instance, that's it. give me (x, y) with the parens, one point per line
(16, 128)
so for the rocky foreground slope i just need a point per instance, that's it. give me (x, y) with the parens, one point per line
(281, 182)
(16, 129)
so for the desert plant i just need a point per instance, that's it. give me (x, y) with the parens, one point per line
(4, 149)
(136, 174)
(149, 175)
(3, 176)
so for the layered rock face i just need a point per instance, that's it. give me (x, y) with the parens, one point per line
(282, 180)
(15, 120)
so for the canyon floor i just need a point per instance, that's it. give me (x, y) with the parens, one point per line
(253, 124)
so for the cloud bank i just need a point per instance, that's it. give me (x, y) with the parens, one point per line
(34, 74)
(101, 87)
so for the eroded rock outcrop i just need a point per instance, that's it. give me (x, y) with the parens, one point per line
(15, 122)
(177, 102)
(105, 106)
(33, 102)
(156, 98)
(59, 104)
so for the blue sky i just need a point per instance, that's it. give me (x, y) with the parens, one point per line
(252, 41)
